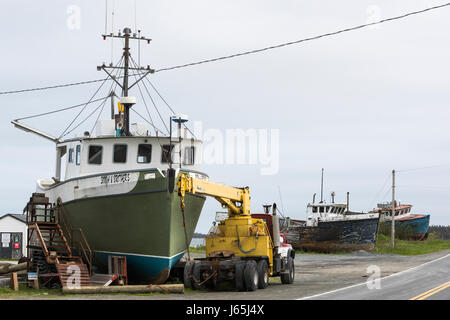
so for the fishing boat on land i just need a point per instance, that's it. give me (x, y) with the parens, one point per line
(332, 227)
(408, 226)
(119, 184)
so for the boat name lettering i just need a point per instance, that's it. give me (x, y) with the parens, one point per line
(115, 178)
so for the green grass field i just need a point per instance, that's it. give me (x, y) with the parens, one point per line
(6, 292)
(410, 247)
(200, 249)
(402, 247)
(383, 245)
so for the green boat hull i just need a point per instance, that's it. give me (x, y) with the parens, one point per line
(145, 225)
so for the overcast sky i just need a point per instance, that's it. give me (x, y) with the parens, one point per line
(358, 104)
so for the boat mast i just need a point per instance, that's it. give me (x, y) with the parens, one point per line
(127, 36)
(321, 188)
(126, 59)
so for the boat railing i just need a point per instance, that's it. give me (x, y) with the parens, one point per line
(82, 245)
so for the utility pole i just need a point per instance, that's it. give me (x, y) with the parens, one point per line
(393, 211)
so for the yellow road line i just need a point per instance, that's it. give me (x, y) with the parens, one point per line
(436, 291)
(429, 293)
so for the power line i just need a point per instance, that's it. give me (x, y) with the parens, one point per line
(146, 107)
(59, 110)
(373, 202)
(111, 89)
(422, 168)
(53, 87)
(251, 51)
(304, 40)
(425, 187)
(58, 86)
(92, 97)
(85, 119)
(151, 99)
(171, 109)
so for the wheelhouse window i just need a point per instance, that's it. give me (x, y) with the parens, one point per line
(120, 153)
(144, 153)
(95, 154)
(166, 153)
(189, 155)
(71, 155)
(78, 155)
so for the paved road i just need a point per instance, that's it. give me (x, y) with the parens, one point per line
(429, 281)
(318, 273)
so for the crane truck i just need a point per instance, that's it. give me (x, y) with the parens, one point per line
(241, 248)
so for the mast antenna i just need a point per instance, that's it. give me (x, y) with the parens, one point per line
(127, 35)
(106, 16)
(112, 31)
(321, 188)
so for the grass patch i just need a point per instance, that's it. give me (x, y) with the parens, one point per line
(8, 259)
(6, 292)
(275, 280)
(410, 247)
(199, 249)
(24, 291)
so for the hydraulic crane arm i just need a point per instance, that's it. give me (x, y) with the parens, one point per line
(237, 200)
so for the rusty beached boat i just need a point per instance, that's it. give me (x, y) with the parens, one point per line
(332, 227)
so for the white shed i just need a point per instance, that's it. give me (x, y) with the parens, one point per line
(13, 236)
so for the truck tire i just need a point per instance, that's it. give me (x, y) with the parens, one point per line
(187, 275)
(288, 278)
(196, 273)
(263, 274)
(251, 276)
(239, 275)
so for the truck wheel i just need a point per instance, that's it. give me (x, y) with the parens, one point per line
(239, 276)
(263, 274)
(288, 278)
(196, 276)
(187, 275)
(251, 276)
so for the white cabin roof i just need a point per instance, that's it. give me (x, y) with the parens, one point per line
(93, 155)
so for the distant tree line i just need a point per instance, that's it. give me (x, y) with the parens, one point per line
(199, 235)
(442, 231)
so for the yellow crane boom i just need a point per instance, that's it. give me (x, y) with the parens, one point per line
(237, 200)
(240, 248)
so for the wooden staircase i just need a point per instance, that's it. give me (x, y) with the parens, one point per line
(74, 275)
(52, 240)
(57, 249)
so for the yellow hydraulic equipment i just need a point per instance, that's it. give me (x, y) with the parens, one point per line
(241, 247)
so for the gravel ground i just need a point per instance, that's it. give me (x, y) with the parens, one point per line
(315, 273)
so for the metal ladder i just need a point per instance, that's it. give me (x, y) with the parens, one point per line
(45, 228)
